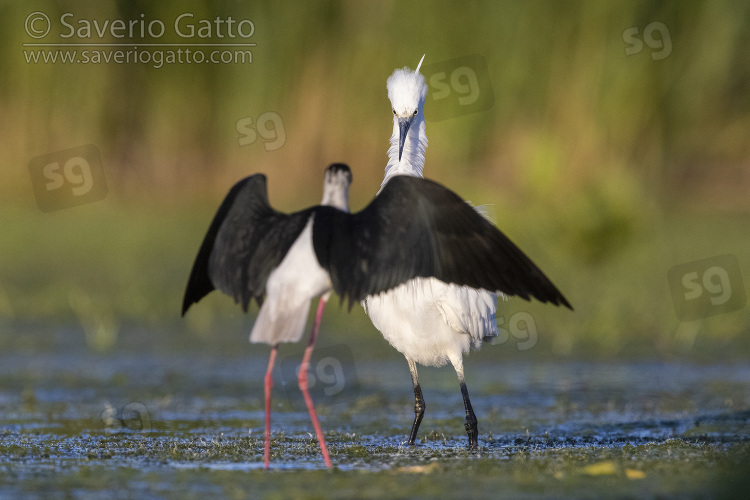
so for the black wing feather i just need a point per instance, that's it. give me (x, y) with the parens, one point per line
(247, 239)
(418, 228)
(199, 283)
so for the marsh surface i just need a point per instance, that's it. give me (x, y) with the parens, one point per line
(151, 421)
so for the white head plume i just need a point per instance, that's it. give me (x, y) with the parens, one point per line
(407, 91)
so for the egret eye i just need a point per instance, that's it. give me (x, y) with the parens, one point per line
(394, 111)
(416, 111)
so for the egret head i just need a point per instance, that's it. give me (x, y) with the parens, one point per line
(336, 186)
(407, 91)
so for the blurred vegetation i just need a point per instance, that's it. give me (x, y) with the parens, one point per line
(607, 168)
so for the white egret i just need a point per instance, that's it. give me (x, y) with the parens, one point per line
(427, 320)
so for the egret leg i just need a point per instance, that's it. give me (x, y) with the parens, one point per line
(419, 405)
(471, 419)
(268, 386)
(302, 379)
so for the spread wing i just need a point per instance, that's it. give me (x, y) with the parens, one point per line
(246, 240)
(418, 228)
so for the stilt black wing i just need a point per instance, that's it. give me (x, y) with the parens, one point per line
(246, 240)
(418, 228)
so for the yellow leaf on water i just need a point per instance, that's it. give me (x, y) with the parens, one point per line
(634, 474)
(419, 469)
(600, 468)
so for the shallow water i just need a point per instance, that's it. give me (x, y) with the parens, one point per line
(79, 419)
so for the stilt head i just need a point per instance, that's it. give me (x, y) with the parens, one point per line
(407, 91)
(336, 186)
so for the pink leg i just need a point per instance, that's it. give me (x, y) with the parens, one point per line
(269, 385)
(302, 378)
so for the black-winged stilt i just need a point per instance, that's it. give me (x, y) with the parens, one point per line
(413, 228)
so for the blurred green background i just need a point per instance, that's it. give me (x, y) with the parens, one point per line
(614, 149)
